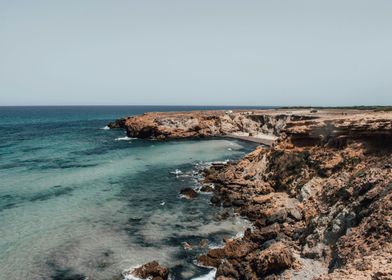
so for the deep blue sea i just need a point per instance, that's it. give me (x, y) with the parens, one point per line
(77, 201)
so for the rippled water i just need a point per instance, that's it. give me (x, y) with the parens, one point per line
(76, 203)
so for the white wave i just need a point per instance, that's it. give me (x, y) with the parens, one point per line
(214, 245)
(126, 138)
(239, 235)
(130, 277)
(209, 276)
(176, 172)
(127, 274)
(105, 128)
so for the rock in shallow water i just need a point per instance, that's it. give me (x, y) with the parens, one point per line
(207, 188)
(152, 270)
(189, 193)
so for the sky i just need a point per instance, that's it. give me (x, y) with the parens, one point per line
(201, 52)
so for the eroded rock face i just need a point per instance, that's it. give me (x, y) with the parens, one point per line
(330, 203)
(321, 195)
(200, 124)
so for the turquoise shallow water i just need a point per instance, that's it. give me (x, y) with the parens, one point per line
(76, 203)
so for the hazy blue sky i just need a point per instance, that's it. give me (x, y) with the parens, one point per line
(331, 52)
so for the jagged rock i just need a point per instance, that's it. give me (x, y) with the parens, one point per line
(268, 244)
(151, 270)
(206, 188)
(217, 253)
(238, 202)
(189, 193)
(227, 270)
(203, 243)
(295, 213)
(315, 252)
(322, 191)
(215, 199)
(277, 217)
(197, 124)
(208, 261)
(237, 248)
(275, 259)
(265, 233)
(120, 123)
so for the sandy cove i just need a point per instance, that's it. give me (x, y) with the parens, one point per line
(320, 198)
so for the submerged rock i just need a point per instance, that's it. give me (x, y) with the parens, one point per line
(189, 193)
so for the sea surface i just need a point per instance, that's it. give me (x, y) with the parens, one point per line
(80, 201)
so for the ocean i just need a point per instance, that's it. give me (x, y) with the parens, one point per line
(80, 201)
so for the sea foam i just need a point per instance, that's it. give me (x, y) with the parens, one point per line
(125, 138)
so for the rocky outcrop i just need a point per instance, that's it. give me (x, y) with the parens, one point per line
(188, 193)
(323, 192)
(200, 124)
(150, 270)
(320, 198)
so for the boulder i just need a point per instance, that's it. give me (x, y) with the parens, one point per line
(215, 200)
(238, 248)
(207, 188)
(265, 233)
(278, 216)
(238, 202)
(208, 261)
(120, 123)
(217, 253)
(226, 269)
(188, 192)
(274, 259)
(151, 270)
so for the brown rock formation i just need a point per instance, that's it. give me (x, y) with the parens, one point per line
(152, 271)
(320, 198)
(188, 193)
(200, 124)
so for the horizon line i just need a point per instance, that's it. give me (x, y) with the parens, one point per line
(166, 105)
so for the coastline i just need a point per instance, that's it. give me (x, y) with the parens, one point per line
(308, 215)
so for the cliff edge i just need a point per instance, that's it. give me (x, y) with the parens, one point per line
(320, 198)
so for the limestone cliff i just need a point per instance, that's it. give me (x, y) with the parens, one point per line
(320, 198)
(322, 195)
(198, 124)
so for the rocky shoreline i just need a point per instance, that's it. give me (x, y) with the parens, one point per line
(320, 198)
